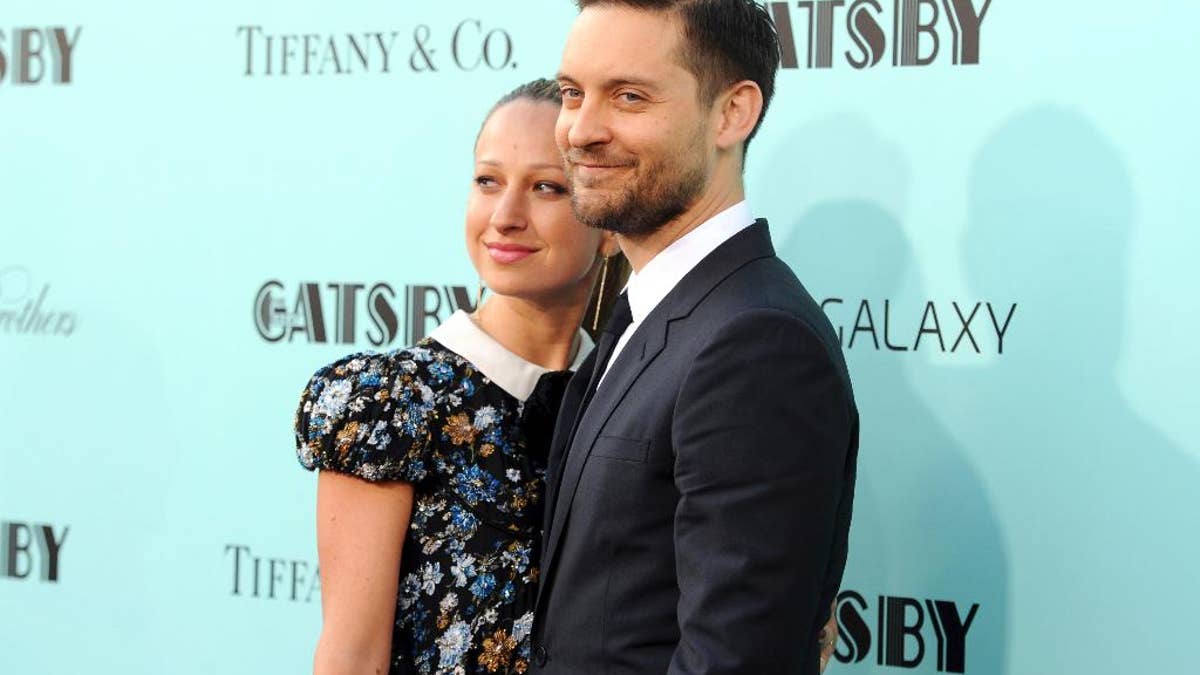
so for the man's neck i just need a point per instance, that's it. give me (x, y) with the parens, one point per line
(641, 250)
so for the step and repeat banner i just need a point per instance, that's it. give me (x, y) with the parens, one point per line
(993, 200)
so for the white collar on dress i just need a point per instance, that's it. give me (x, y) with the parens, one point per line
(461, 335)
(664, 271)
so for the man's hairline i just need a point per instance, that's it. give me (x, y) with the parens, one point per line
(675, 16)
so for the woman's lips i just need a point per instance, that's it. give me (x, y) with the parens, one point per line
(509, 253)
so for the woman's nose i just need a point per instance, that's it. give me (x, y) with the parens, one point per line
(512, 211)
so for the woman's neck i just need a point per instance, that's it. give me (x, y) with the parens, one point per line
(539, 333)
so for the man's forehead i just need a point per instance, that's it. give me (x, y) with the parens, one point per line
(612, 44)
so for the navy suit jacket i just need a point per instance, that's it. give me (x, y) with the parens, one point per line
(697, 511)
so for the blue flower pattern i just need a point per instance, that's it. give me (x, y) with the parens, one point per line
(468, 574)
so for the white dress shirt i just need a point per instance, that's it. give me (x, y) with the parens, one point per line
(647, 288)
(461, 335)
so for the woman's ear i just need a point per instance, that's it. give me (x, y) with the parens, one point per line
(608, 244)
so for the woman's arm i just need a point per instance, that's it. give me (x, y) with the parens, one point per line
(361, 528)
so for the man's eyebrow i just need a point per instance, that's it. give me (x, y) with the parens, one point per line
(629, 82)
(612, 83)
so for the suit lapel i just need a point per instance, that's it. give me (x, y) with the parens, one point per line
(574, 444)
(564, 430)
(643, 346)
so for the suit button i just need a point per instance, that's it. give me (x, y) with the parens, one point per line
(540, 655)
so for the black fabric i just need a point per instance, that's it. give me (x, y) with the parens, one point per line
(541, 411)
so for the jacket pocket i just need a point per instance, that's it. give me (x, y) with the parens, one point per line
(624, 449)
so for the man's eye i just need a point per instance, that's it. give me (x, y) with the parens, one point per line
(571, 92)
(630, 97)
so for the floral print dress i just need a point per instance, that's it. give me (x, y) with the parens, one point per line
(469, 425)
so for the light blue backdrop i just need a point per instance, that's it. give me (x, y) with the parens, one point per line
(152, 191)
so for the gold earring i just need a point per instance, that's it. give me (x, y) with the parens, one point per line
(600, 294)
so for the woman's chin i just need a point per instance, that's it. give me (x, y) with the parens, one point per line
(532, 291)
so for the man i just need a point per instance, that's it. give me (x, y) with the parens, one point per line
(703, 466)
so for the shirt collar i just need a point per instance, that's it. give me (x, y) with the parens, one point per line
(461, 335)
(648, 287)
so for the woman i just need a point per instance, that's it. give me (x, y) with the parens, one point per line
(433, 457)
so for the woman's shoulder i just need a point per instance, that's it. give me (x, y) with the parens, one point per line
(368, 407)
(424, 364)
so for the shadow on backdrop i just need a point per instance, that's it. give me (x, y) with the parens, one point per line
(1102, 508)
(924, 526)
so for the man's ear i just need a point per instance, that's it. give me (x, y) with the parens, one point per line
(737, 111)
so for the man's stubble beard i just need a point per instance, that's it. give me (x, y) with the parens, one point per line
(645, 205)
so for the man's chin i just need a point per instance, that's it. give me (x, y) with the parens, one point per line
(591, 206)
(596, 219)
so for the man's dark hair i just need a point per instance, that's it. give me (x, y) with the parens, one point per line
(724, 41)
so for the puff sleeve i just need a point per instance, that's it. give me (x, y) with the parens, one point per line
(368, 415)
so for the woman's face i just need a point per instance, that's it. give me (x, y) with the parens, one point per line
(521, 234)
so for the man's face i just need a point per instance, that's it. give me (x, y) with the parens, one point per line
(636, 142)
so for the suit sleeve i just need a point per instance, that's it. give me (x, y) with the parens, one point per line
(763, 431)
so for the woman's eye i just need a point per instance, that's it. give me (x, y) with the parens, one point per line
(484, 181)
(550, 188)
